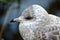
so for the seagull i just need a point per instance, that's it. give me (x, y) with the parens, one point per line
(36, 24)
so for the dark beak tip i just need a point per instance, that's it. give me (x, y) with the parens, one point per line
(12, 21)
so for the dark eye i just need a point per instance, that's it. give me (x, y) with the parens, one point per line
(29, 18)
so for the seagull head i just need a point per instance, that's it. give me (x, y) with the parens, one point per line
(33, 13)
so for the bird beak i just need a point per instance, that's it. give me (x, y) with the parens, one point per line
(17, 20)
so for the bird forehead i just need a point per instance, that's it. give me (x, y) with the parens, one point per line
(31, 9)
(34, 10)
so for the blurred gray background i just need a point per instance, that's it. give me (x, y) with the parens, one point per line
(11, 30)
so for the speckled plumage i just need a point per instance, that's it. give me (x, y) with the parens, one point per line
(37, 24)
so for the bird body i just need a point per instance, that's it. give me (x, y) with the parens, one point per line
(37, 24)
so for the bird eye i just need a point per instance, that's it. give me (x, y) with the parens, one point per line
(29, 18)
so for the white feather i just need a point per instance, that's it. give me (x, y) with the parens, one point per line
(41, 26)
